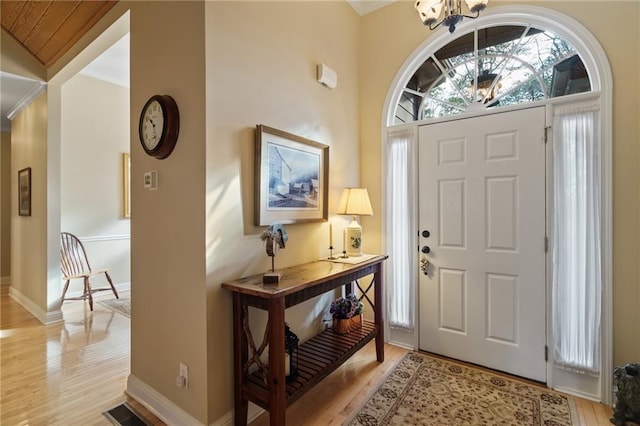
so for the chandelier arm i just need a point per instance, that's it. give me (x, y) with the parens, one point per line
(431, 27)
(472, 17)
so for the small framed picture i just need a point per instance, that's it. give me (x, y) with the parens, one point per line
(291, 178)
(24, 192)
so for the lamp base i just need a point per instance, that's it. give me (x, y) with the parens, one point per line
(271, 278)
(353, 238)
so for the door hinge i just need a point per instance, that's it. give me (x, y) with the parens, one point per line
(546, 134)
(546, 244)
(546, 353)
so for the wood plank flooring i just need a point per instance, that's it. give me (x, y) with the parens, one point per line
(69, 373)
(66, 373)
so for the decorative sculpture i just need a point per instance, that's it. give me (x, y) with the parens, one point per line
(274, 238)
(627, 408)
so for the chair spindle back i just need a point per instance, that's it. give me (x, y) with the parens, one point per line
(73, 257)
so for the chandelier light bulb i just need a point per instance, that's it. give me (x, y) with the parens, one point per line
(430, 11)
(476, 6)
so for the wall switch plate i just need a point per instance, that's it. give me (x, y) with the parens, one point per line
(180, 382)
(151, 180)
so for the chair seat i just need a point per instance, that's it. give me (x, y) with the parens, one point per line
(75, 265)
(89, 274)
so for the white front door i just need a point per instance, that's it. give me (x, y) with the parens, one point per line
(482, 200)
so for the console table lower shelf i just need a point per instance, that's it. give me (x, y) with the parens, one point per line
(317, 358)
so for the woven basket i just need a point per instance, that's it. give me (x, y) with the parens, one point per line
(344, 326)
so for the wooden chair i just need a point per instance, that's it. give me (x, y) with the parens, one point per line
(75, 264)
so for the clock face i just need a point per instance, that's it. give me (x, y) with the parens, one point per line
(152, 125)
(159, 126)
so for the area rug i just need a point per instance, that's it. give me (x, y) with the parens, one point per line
(122, 305)
(425, 390)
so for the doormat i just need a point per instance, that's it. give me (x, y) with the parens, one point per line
(425, 390)
(122, 305)
(125, 415)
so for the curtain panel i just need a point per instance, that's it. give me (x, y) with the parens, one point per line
(576, 239)
(401, 230)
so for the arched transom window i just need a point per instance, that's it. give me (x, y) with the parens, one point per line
(492, 67)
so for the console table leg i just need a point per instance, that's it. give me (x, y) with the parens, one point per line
(378, 277)
(240, 348)
(277, 382)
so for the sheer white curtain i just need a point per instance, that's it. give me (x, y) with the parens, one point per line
(576, 248)
(401, 229)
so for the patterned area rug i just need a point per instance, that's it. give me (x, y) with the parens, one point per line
(424, 390)
(122, 305)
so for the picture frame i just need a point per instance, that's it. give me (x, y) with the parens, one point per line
(126, 185)
(24, 192)
(291, 178)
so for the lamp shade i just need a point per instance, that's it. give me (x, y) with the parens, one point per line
(429, 10)
(355, 201)
(476, 5)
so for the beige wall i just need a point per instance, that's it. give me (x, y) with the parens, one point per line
(261, 69)
(28, 248)
(17, 61)
(95, 134)
(168, 225)
(616, 26)
(5, 209)
(251, 78)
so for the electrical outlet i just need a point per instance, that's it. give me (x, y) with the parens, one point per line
(184, 373)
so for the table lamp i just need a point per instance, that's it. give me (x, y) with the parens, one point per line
(355, 202)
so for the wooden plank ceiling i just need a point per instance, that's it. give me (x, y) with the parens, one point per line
(48, 29)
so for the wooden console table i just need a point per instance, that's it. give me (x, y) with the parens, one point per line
(318, 356)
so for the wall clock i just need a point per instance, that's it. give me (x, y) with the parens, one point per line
(159, 126)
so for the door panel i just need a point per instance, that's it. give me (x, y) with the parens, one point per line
(481, 194)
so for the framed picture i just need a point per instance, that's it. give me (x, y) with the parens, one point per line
(126, 185)
(24, 192)
(291, 178)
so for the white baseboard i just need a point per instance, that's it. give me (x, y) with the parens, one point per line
(35, 310)
(170, 413)
(577, 393)
(5, 280)
(226, 420)
(254, 412)
(401, 345)
(158, 404)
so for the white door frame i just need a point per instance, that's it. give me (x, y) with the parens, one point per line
(599, 70)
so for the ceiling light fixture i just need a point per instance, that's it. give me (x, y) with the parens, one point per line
(430, 11)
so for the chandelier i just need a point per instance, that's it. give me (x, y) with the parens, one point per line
(430, 11)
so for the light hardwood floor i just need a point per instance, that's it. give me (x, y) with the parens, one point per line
(66, 373)
(70, 372)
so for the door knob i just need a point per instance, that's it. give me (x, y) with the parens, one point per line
(426, 249)
(426, 233)
(424, 265)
